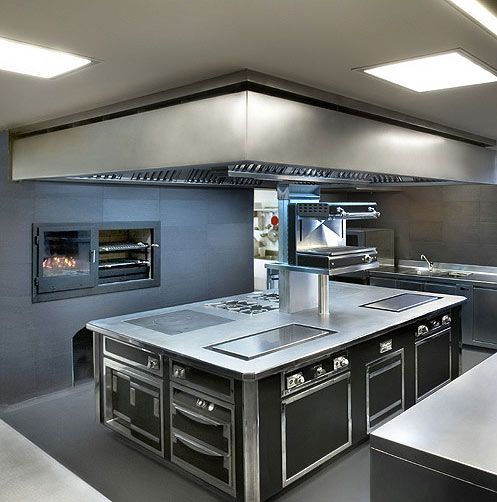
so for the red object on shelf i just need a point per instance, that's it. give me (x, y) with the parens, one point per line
(274, 220)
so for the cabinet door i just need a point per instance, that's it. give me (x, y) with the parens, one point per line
(412, 285)
(133, 405)
(382, 282)
(485, 316)
(384, 388)
(466, 313)
(446, 289)
(316, 425)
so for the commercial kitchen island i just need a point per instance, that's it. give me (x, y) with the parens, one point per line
(249, 399)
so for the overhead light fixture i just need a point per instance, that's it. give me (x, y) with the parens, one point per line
(444, 70)
(28, 59)
(479, 12)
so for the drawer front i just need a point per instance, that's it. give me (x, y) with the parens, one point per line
(433, 363)
(133, 405)
(138, 357)
(202, 418)
(204, 381)
(203, 461)
(384, 388)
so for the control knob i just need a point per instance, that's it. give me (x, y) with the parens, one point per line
(152, 363)
(319, 371)
(179, 371)
(340, 362)
(446, 320)
(435, 323)
(294, 380)
(422, 330)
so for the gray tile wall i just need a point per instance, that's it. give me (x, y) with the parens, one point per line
(206, 253)
(453, 224)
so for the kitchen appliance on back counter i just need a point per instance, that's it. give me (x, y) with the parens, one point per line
(313, 241)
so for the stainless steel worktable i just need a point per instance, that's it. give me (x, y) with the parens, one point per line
(351, 322)
(452, 432)
(28, 473)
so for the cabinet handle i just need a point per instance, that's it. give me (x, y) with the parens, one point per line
(197, 447)
(132, 397)
(196, 417)
(114, 383)
(93, 256)
(156, 408)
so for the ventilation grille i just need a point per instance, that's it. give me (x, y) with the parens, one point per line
(251, 175)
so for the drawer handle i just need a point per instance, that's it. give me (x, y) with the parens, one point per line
(156, 408)
(132, 397)
(197, 447)
(196, 417)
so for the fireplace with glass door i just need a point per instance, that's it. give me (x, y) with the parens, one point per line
(72, 260)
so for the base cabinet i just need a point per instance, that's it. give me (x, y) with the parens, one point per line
(306, 415)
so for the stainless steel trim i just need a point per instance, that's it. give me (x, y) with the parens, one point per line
(197, 417)
(97, 368)
(197, 445)
(144, 389)
(421, 342)
(108, 412)
(331, 381)
(155, 355)
(384, 368)
(153, 438)
(251, 464)
(369, 418)
(386, 410)
(322, 271)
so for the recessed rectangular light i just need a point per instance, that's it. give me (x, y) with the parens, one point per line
(479, 12)
(437, 71)
(28, 59)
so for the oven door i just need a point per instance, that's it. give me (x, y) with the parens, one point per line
(65, 257)
(316, 425)
(433, 363)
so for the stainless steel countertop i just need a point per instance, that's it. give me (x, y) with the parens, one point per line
(351, 322)
(28, 473)
(417, 270)
(455, 425)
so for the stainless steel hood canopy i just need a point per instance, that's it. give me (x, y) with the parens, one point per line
(249, 130)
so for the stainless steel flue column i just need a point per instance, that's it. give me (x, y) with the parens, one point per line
(324, 295)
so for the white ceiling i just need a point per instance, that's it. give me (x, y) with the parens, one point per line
(151, 45)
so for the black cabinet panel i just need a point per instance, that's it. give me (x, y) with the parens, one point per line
(316, 424)
(433, 363)
(485, 316)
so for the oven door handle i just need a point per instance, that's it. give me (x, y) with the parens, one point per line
(93, 254)
(197, 417)
(197, 447)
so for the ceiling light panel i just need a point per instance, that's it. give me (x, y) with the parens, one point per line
(438, 71)
(479, 12)
(19, 57)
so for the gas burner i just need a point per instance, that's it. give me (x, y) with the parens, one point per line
(267, 297)
(248, 306)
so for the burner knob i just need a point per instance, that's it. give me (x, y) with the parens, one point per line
(340, 362)
(319, 371)
(179, 371)
(422, 330)
(153, 363)
(446, 320)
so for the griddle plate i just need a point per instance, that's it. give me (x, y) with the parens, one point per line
(401, 302)
(257, 345)
(180, 321)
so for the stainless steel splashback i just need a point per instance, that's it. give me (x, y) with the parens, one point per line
(252, 127)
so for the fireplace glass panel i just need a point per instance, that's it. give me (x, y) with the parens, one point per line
(66, 253)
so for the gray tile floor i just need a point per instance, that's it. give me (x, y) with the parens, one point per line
(63, 425)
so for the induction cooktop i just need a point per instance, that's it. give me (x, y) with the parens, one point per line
(401, 302)
(263, 343)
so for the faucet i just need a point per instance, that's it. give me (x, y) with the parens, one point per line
(430, 263)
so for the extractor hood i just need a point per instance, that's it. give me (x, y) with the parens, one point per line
(249, 130)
